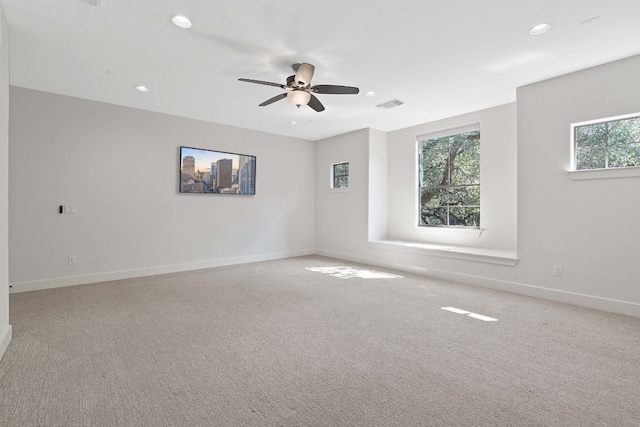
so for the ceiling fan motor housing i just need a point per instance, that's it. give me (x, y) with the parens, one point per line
(291, 81)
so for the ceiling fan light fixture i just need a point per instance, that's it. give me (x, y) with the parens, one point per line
(299, 97)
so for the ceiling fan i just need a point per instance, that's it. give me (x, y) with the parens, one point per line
(299, 90)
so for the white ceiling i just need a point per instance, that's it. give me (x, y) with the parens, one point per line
(441, 58)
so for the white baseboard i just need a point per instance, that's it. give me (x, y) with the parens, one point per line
(589, 301)
(150, 271)
(599, 303)
(5, 339)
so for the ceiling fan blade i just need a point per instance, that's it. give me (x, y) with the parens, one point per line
(260, 82)
(336, 90)
(315, 104)
(274, 99)
(304, 74)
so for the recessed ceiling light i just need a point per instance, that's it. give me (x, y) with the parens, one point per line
(293, 123)
(141, 88)
(370, 93)
(181, 21)
(539, 29)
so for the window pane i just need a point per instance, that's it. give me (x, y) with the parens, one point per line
(449, 174)
(455, 206)
(624, 155)
(341, 169)
(591, 135)
(624, 131)
(469, 195)
(434, 161)
(434, 152)
(465, 167)
(437, 216)
(433, 197)
(464, 216)
(590, 158)
(341, 182)
(433, 203)
(433, 177)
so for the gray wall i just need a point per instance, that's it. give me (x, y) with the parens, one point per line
(119, 167)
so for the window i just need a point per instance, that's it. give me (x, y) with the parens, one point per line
(607, 143)
(449, 177)
(340, 175)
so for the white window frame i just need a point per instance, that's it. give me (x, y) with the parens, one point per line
(440, 133)
(604, 173)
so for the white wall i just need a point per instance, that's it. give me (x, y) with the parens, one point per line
(378, 185)
(341, 218)
(589, 227)
(346, 218)
(530, 205)
(497, 175)
(5, 328)
(119, 167)
(372, 210)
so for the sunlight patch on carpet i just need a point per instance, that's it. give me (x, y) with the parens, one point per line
(470, 314)
(350, 272)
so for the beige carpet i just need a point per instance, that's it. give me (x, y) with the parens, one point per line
(296, 343)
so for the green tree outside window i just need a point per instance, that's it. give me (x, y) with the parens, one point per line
(608, 144)
(449, 180)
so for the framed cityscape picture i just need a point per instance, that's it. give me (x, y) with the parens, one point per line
(216, 172)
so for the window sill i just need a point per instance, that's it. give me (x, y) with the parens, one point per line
(489, 256)
(423, 229)
(339, 190)
(629, 172)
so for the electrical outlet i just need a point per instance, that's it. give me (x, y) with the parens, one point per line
(557, 270)
(212, 248)
(72, 259)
